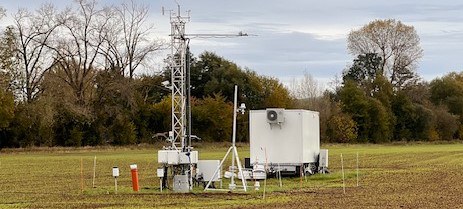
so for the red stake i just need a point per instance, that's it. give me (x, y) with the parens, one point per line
(134, 171)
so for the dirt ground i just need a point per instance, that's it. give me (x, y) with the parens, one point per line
(390, 176)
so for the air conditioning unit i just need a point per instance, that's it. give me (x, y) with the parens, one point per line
(275, 115)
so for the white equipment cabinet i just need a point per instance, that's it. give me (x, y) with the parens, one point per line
(176, 157)
(206, 169)
(284, 138)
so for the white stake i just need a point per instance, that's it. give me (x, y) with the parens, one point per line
(115, 185)
(82, 175)
(301, 173)
(342, 170)
(357, 169)
(265, 168)
(94, 171)
(115, 175)
(279, 174)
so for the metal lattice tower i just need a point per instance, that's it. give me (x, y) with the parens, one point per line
(180, 78)
(180, 135)
(178, 67)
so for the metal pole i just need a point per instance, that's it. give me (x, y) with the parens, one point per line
(234, 151)
(188, 95)
(234, 135)
(357, 169)
(234, 115)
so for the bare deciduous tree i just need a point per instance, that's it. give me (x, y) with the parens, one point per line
(33, 31)
(307, 91)
(128, 45)
(306, 87)
(335, 83)
(398, 44)
(78, 45)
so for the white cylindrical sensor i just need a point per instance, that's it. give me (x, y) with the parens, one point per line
(115, 171)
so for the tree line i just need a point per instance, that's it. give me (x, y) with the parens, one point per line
(380, 97)
(68, 78)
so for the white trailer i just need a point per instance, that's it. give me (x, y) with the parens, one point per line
(285, 140)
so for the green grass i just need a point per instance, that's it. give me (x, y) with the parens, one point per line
(403, 175)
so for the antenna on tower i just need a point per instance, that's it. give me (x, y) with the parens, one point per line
(178, 8)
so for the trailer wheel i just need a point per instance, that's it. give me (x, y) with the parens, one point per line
(310, 169)
(313, 168)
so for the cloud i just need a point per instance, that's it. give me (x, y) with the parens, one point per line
(298, 35)
(285, 53)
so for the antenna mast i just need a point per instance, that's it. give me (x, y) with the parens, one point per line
(177, 63)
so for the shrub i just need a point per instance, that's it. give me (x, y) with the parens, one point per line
(341, 128)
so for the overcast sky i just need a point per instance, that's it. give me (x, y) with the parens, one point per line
(294, 36)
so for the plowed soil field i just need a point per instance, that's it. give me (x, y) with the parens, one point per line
(418, 175)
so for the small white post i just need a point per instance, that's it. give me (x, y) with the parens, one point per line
(301, 172)
(82, 175)
(279, 174)
(115, 185)
(94, 172)
(265, 168)
(115, 175)
(357, 169)
(342, 170)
